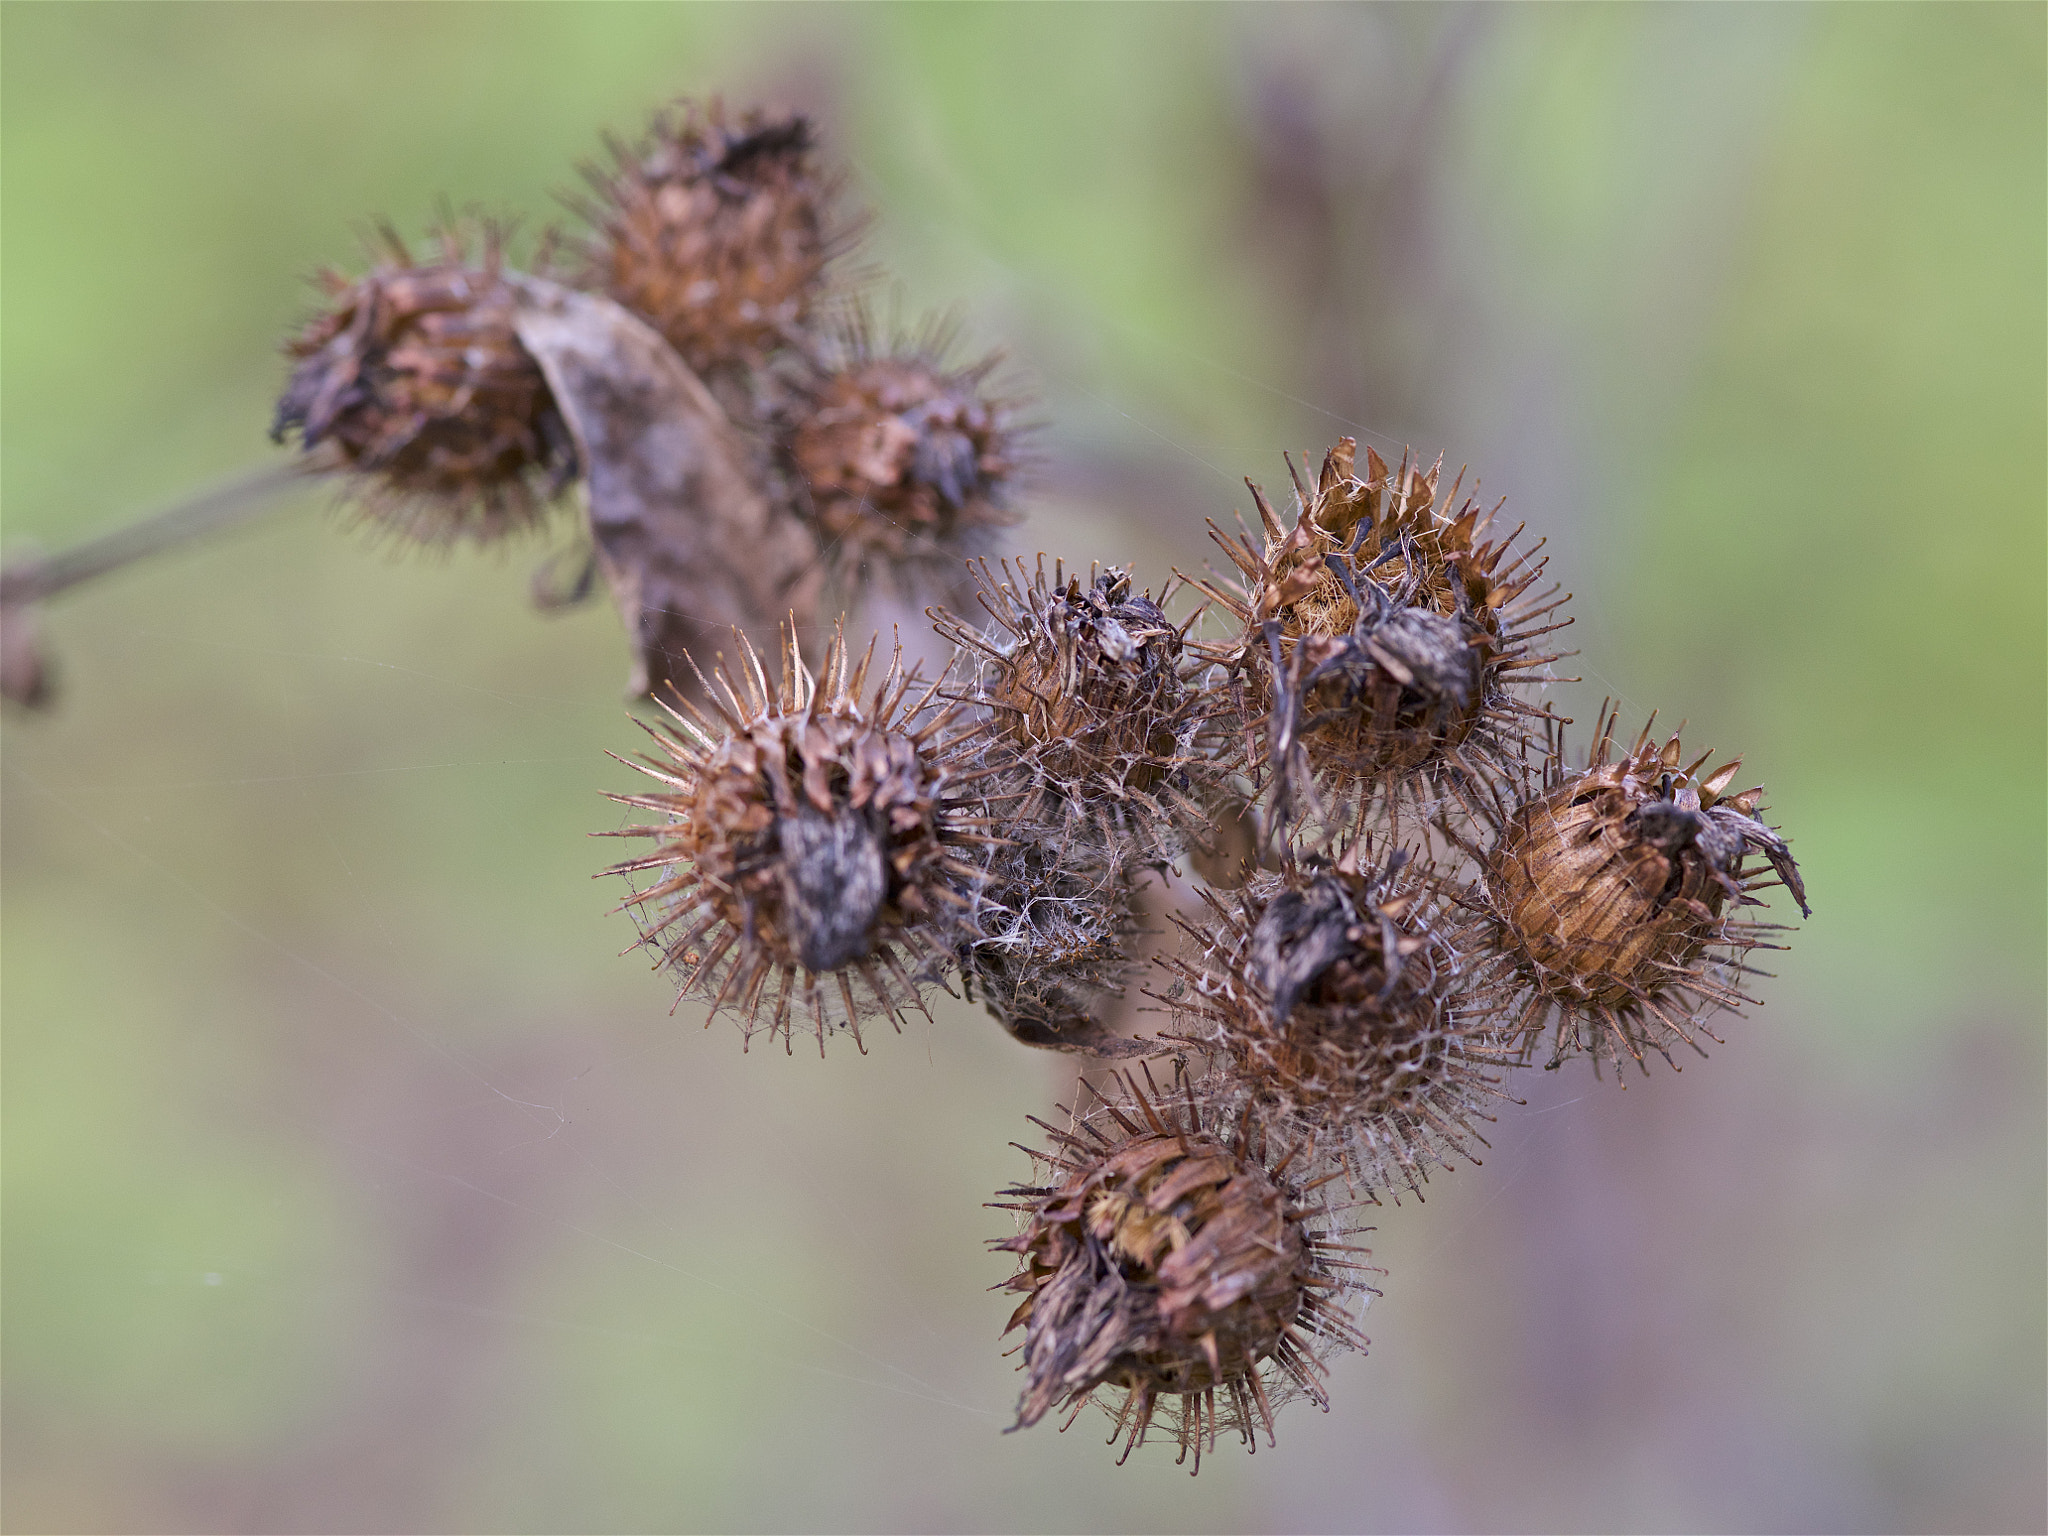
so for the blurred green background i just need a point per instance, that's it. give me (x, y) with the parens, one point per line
(351, 1183)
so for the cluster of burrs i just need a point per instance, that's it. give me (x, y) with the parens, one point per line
(1403, 892)
(1325, 762)
(696, 354)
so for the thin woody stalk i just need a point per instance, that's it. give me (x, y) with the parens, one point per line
(29, 579)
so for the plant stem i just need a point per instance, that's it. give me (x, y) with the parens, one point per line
(34, 577)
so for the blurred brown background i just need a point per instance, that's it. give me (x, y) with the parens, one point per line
(351, 1183)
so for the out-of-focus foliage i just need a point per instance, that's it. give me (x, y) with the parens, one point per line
(351, 1183)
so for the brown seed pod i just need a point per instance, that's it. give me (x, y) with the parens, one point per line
(906, 464)
(1606, 897)
(1053, 950)
(716, 231)
(1092, 716)
(1379, 639)
(1332, 991)
(1170, 1257)
(414, 382)
(808, 867)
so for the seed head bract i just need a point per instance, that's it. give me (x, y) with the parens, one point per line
(1171, 1258)
(413, 382)
(1614, 899)
(716, 228)
(807, 868)
(1090, 707)
(1335, 994)
(905, 465)
(1382, 639)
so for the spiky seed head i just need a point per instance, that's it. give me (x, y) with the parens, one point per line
(1173, 1259)
(1333, 993)
(413, 381)
(717, 230)
(1610, 895)
(905, 463)
(808, 866)
(1090, 709)
(1379, 636)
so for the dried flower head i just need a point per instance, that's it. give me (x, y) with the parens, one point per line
(1169, 1257)
(1091, 710)
(1053, 950)
(413, 380)
(905, 463)
(1331, 990)
(1606, 899)
(1380, 636)
(717, 231)
(808, 864)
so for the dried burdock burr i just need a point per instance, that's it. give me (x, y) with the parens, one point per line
(1091, 712)
(1607, 899)
(1379, 640)
(715, 229)
(811, 865)
(1053, 949)
(1168, 1256)
(904, 465)
(414, 382)
(1332, 993)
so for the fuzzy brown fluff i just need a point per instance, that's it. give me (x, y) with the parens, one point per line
(808, 865)
(1332, 994)
(1172, 1260)
(1378, 639)
(413, 381)
(1606, 899)
(715, 230)
(1054, 950)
